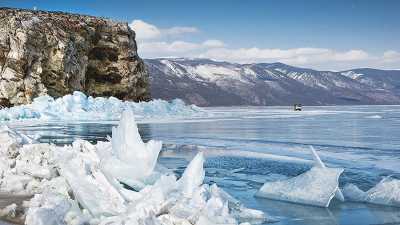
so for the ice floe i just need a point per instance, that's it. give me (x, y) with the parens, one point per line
(316, 187)
(386, 192)
(77, 184)
(78, 106)
(374, 117)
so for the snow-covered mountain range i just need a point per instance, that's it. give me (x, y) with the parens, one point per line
(206, 82)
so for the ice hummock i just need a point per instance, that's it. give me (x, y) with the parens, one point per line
(193, 176)
(90, 187)
(386, 192)
(78, 189)
(316, 187)
(131, 160)
(78, 106)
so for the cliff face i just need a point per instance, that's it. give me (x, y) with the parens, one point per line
(56, 53)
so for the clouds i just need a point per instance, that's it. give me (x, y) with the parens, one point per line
(214, 44)
(162, 48)
(297, 56)
(146, 31)
(173, 42)
(180, 30)
(152, 41)
(391, 56)
(176, 48)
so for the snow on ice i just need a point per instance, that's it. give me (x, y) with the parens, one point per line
(80, 107)
(75, 184)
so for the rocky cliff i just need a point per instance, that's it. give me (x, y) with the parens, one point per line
(56, 53)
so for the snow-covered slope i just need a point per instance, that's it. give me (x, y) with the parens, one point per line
(381, 79)
(209, 83)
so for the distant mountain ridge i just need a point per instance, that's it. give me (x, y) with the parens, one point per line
(205, 82)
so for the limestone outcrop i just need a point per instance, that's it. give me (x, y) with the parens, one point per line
(56, 53)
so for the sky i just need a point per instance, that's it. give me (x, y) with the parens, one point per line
(320, 34)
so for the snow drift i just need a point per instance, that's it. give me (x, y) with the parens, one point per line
(74, 184)
(315, 187)
(80, 107)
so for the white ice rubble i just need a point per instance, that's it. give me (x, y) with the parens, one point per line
(316, 187)
(111, 183)
(78, 106)
(386, 192)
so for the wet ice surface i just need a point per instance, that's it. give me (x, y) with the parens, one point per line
(242, 144)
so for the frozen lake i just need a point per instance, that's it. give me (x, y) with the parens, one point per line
(246, 146)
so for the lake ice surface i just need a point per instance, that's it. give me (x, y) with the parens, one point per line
(247, 146)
